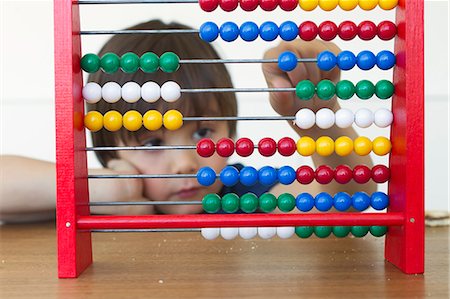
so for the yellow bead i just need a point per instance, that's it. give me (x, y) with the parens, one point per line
(324, 146)
(132, 120)
(153, 120)
(173, 120)
(381, 146)
(343, 146)
(328, 5)
(362, 146)
(348, 4)
(368, 4)
(93, 120)
(306, 146)
(388, 4)
(112, 120)
(308, 5)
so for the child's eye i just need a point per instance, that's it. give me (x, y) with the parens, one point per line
(153, 142)
(202, 133)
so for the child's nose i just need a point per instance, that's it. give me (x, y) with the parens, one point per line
(184, 162)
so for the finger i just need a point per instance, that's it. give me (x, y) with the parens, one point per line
(121, 165)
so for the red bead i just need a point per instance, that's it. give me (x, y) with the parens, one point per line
(249, 5)
(225, 147)
(205, 147)
(343, 174)
(367, 30)
(208, 5)
(347, 30)
(328, 30)
(380, 173)
(286, 146)
(268, 5)
(244, 147)
(361, 174)
(324, 174)
(307, 31)
(305, 174)
(267, 147)
(228, 5)
(386, 30)
(288, 5)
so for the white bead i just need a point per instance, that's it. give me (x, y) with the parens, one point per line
(364, 118)
(267, 232)
(285, 232)
(170, 91)
(131, 92)
(92, 92)
(229, 233)
(210, 233)
(383, 118)
(111, 92)
(344, 118)
(248, 232)
(305, 119)
(150, 92)
(325, 118)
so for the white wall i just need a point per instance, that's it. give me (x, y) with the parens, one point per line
(27, 110)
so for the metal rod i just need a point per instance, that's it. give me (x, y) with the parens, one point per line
(145, 148)
(172, 230)
(135, 1)
(265, 89)
(256, 60)
(143, 203)
(143, 176)
(233, 118)
(140, 31)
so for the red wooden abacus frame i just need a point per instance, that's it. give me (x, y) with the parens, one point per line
(404, 246)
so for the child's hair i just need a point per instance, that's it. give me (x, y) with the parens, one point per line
(186, 46)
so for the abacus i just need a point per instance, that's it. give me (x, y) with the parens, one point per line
(402, 224)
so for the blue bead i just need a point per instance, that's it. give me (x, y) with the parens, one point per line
(342, 201)
(385, 60)
(286, 175)
(209, 31)
(346, 60)
(366, 60)
(267, 175)
(229, 31)
(268, 31)
(360, 201)
(323, 201)
(304, 202)
(379, 201)
(206, 176)
(288, 31)
(326, 60)
(248, 176)
(249, 31)
(287, 61)
(229, 176)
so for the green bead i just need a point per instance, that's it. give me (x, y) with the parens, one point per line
(90, 63)
(110, 63)
(286, 202)
(326, 90)
(322, 231)
(378, 231)
(129, 62)
(230, 203)
(345, 89)
(249, 203)
(360, 231)
(267, 202)
(305, 90)
(341, 231)
(169, 62)
(304, 231)
(384, 89)
(149, 62)
(211, 203)
(365, 89)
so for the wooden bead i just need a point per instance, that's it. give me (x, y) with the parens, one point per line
(132, 120)
(93, 120)
(112, 121)
(152, 120)
(173, 120)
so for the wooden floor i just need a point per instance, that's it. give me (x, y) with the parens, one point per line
(183, 265)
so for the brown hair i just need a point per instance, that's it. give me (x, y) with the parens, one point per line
(186, 46)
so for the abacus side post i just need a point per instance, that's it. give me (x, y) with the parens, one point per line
(74, 246)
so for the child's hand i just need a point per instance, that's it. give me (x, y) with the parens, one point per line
(286, 103)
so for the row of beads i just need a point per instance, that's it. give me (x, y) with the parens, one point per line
(285, 232)
(288, 31)
(289, 5)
